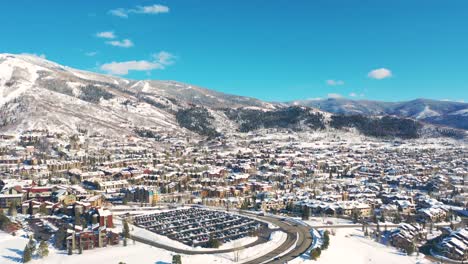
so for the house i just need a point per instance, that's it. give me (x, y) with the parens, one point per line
(7, 199)
(455, 246)
(105, 218)
(94, 201)
(432, 214)
(406, 235)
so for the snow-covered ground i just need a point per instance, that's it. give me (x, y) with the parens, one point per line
(350, 246)
(11, 248)
(11, 251)
(314, 221)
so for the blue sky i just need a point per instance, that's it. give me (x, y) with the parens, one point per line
(273, 50)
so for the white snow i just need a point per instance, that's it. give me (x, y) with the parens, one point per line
(11, 248)
(427, 112)
(11, 251)
(21, 69)
(463, 112)
(349, 245)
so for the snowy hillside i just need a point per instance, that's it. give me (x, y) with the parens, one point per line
(447, 113)
(36, 94)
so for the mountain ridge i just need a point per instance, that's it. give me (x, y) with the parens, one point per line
(446, 113)
(36, 94)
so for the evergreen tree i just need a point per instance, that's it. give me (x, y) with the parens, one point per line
(355, 216)
(382, 218)
(84, 222)
(27, 254)
(176, 259)
(326, 240)
(43, 250)
(397, 218)
(4, 220)
(43, 209)
(410, 249)
(315, 253)
(60, 237)
(31, 244)
(12, 211)
(213, 243)
(374, 219)
(126, 229)
(305, 213)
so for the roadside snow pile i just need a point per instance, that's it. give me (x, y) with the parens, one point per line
(239, 242)
(316, 238)
(277, 238)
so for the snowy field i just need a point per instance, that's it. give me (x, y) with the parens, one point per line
(11, 248)
(317, 221)
(349, 246)
(11, 251)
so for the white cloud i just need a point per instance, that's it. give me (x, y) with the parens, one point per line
(380, 74)
(314, 99)
(335, 82)
(353, 94)
(126, 43)
(334, 95)
(120, 12)
(91, 53)
(165, 58)
(160, 61)
(106, 34)
(122, 68)
(151, 9)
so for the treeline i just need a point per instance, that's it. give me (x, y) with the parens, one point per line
(386, 126)
(93, 94)
(315, 253)
(146, 133)
(291, 117)
(198, 120)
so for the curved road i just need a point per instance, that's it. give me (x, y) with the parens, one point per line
(297, 242)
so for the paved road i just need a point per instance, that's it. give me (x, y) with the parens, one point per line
(297, 242)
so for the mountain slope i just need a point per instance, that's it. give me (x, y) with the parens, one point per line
(452, 114)
(36, 94)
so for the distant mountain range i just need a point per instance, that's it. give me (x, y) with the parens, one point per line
(446, 113)
(36, 94)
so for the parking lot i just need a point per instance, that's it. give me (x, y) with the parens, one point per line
(195, 226)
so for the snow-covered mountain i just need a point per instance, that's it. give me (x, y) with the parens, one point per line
(447, 113)
(42, 95)
(36, 94)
